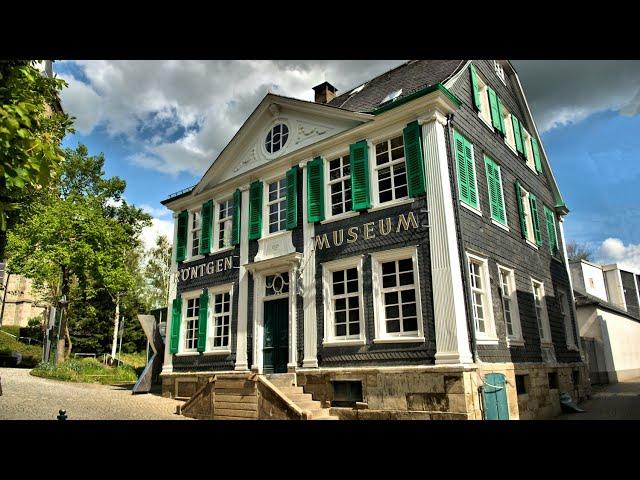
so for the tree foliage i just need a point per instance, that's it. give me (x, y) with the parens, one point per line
(579, 251)
(157, 272)
(31, 129)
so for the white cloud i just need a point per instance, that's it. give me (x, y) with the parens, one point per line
(82, 102)
(613, 250)
(155, 212)
(157, 227)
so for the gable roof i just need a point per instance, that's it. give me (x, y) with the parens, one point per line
(410, 77)
(585, 299)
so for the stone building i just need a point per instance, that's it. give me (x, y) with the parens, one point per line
(395, 251)
(21, 302)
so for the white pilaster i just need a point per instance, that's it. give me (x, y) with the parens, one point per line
(308, 266)
(293, 326)
(573, 300)
(167, 365)
(243, 283)
(452, 340)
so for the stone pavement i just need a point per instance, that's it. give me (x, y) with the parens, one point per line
(620, 401)
(25, 397)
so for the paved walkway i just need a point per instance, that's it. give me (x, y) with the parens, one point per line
(25, 397)
(620, 401)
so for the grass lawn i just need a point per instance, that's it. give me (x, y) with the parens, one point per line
(86, 370)
(136, 360)
(31, 354)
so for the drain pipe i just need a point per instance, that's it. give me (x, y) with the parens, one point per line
(465, 265)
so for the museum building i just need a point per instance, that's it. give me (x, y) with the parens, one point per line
(396, 251)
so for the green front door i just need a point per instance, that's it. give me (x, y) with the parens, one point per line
(495, 397)
(276, 336)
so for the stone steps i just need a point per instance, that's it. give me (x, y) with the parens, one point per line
(286, 383)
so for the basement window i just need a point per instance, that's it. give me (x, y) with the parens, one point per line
(521, 384)
(575, 377)
(346, 393)
(553, 380)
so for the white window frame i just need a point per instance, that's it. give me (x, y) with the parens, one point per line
(192, 213)
(499, 69)
(488, 337)
(211, 318)
(182, 343)
(330, 339)
(544, 321)
(565, 311)
(377, 258)
(531, 162)
(216, 225)
(526, 204)
(265, 204)
(510, 137)
(329, 217)
(485, 108)
(373, 171)
(516, 337)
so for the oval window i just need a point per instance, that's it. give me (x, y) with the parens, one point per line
(276, 138)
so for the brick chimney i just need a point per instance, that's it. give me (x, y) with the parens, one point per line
(325, 92)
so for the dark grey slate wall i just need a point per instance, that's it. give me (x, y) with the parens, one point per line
(479, 235)
(630, 294)
(379, 354)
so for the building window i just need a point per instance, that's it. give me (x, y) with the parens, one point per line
(276, 138)
(191, 324)
(390, 170)
(277, 205)
(541, 311)
(397, 294)
(225, 223)
(466, 170)
(277, 284)
(196, 227)
(526, 138)
(563, 302)
(221, 317)
(346, 393)
(481, 297)
(496, 195)
(510, 309)
(485, 108)
(499, 71)
(342, 293)
(521, 384)
(528, 216)
(553, 380)
(340, 185)
(509, 137)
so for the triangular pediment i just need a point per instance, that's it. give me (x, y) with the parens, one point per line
(306, 123)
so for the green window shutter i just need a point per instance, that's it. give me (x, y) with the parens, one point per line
(315, 190)
(359, 166)
(466, 172)
(494, 182)
(551, 230)
(255, 210)
(237, 208)
(292, 198)
(495, 112)
(413, 159)
(202, 320)
(517, 135)
(176, 314)
(207, 224)
(533, 202)
(474, 87)
(501, 116)
(523, 218)
(536, 154)
(181, 241)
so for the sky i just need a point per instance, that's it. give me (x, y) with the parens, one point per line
(161, 124)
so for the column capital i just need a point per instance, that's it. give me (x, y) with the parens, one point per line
(245, 187)
(432, 115)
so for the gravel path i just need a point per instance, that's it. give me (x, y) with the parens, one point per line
(25, 397)
(620, 401)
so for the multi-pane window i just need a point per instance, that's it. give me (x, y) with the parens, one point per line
(225, 223)
(566, 315)
(196, 226)
(345, 299)
(509, 298)
(399, 297)
(340, 185)
(541, 310)
(391, 170)
(276, 138)
(191, 324)
(499, 71)
(277, 205)
(221, 319)
(481, 298)
(277, 284)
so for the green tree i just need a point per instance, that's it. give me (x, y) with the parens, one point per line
(32, 126)
(157, 272)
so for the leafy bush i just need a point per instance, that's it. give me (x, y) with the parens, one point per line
(31, 354)
(88, 370)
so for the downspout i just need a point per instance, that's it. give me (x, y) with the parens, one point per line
(463, 260)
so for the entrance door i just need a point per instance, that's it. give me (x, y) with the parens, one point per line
(276, 336)
(495, 397)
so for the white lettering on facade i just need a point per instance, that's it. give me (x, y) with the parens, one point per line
(214, 266)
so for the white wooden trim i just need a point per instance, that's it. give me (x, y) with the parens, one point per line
(212, 291)
(310, 359)
(490, 324)
(186, 296)
(167, 365)
(546, 329)
(515, 339)
(342, 216)
(243, 284)
(392, 203)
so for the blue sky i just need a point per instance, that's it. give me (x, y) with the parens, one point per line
(161, 123)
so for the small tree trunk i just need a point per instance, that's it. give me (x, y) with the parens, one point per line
(68, 337)
(60, 351)
(116, 324)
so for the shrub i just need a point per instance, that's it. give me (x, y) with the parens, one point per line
(88, 370)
